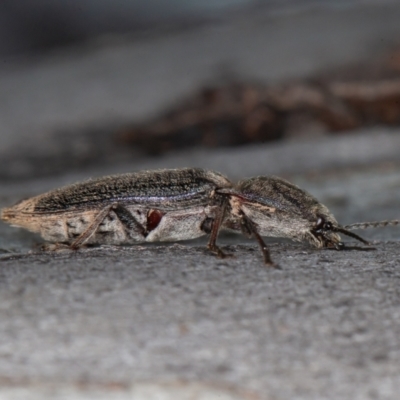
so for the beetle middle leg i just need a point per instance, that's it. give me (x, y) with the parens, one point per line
(215, 228)
(249, 229)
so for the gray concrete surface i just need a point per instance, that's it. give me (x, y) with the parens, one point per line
(171, 321)
(325, 326)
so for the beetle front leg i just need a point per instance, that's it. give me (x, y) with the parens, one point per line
(249, 229)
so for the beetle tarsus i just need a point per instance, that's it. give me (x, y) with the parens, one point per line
(216, 226)
(219, 253)
(340, 246)
(54, 247)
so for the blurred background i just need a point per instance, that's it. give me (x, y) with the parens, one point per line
(91, 83)
(36, 26)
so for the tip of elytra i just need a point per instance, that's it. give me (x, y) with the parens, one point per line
(6, 214)
(16, 211)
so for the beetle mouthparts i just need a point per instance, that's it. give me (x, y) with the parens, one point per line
(351, 234)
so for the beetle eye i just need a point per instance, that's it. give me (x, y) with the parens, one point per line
(328, 225)
(320, 223)
(323, 224)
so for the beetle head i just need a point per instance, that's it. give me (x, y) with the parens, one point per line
(326, 233)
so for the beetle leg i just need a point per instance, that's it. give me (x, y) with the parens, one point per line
(128, 220)
(216, 226)
(91, 229)
(248, 227)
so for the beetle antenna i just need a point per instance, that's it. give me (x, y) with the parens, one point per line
(351, 234)
(374, 224)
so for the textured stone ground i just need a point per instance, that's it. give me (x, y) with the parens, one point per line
(324, 326)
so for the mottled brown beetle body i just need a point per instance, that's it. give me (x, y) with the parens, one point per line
(271, 206)
(147, 206)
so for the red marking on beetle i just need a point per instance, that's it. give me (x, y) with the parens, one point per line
(153, 219)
